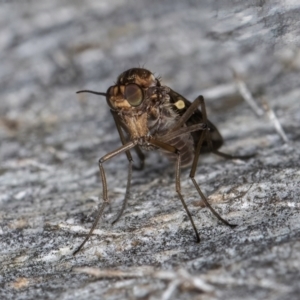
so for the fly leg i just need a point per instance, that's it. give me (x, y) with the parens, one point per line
(172, 149)
(137, 149)
(184, 130)
(106, 157)
(129, 157)
(127, 193)
(141, 156)
(204, 136)
(228, 156)
(192, 108)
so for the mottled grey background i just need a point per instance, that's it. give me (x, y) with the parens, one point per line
(51, 140)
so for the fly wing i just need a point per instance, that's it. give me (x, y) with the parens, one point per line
(180, 106)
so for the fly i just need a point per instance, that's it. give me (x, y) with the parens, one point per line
(150, 116)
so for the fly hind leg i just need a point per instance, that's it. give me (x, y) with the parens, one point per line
(205, 135)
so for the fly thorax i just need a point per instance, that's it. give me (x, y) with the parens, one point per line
(161, 118)
(137, 125)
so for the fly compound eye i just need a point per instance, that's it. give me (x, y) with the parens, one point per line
(133, 94)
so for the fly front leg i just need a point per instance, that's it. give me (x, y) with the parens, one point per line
(137, 149)
(130, 166)
(106, 157)
(172, 149)
(127, 194)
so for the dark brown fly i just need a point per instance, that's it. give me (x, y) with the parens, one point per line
(150, 116)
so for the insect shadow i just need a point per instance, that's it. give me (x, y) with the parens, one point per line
(150, 116)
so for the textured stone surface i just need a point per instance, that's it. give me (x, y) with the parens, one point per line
(51, 141)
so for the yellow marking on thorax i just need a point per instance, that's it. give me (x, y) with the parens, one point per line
(180, 104)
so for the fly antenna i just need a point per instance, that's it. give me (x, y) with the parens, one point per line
(92, 92)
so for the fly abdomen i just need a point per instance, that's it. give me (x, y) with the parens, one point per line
(184, 144)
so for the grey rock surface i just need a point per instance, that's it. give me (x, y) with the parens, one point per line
(51, 141)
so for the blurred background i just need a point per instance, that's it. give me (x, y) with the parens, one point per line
(53, 48)
(51, 138)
